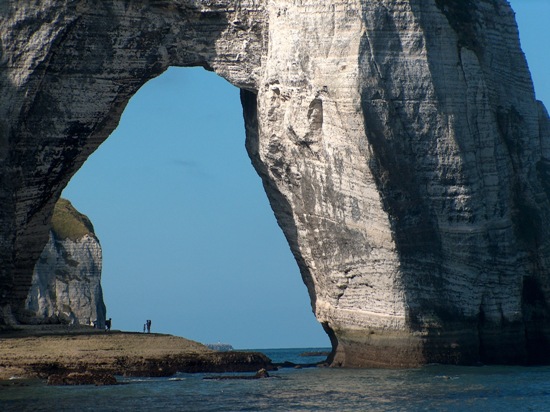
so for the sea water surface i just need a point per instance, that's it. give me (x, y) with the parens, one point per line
(431, 388)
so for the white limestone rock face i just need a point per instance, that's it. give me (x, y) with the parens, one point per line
(67, 70)
(66, 283)
(399, 142)
(405, 156)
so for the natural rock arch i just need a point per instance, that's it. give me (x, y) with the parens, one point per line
(399, 143)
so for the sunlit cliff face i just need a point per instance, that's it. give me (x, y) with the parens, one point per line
(399, 143)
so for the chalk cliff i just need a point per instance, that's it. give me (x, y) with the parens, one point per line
(399, 142)
(66, 283)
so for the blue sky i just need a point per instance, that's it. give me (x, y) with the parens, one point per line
(189, 239)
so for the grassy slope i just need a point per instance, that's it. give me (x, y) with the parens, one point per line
(68, 223)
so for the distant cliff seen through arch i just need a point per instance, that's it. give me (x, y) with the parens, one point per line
(189, 239)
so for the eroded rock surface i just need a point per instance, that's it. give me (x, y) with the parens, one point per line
(54, 350)
(66, 283)
(399, 142)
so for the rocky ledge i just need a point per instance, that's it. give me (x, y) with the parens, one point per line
(85, 355)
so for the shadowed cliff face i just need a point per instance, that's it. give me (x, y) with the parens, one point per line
(399, 142)
(69, 68)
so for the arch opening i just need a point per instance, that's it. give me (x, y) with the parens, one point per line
(189, 239)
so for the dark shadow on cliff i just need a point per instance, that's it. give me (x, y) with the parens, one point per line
(395, 164)
(527, 198)
(400, 173)
(7, 211)
(401, 170)
(108, 56)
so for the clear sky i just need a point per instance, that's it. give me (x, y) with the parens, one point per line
(189, 239)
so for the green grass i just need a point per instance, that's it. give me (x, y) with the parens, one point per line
(69, 223)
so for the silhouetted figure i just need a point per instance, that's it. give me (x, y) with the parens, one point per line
(108, 324)
(144, 327)
(148, 325)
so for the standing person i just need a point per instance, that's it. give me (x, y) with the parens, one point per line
(108, 324)
(144, 326)
(148, 325)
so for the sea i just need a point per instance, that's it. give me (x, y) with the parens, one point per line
(430, 388)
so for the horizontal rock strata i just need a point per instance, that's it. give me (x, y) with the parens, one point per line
(66, 283)
(399, 142)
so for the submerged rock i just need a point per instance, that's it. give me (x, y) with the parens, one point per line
(211, 362)
(86, 378)
(261, 374)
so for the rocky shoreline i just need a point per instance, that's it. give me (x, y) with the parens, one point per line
(60, 354)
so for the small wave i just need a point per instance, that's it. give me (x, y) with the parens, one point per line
(136, 380)
(446, 377)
